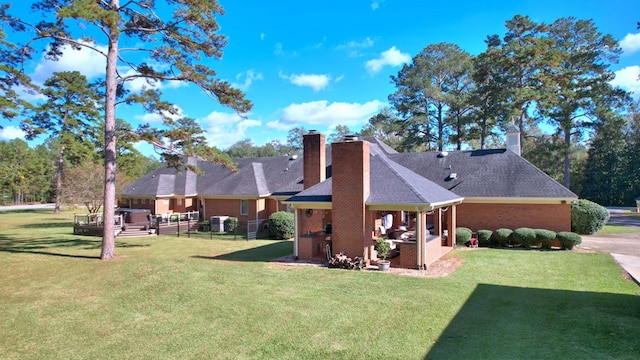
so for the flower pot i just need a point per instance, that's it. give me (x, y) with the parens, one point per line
(383, 265)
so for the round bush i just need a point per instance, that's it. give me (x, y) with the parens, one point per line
(524, 236)
(231, 224)
(281, 225)
(484, 237)
(502, 236)
(569, 239)
(587, 217)
(545, 237)
(463, 235)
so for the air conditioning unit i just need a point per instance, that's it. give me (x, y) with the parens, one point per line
(217, 223)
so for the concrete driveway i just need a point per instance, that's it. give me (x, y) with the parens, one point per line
(625, 248)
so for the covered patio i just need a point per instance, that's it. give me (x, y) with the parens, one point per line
(388, 201)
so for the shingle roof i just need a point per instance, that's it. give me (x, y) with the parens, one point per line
(484, 173)
(392, 183)
(395, 177)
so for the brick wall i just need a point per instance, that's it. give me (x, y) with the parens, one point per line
(351, 185)
(556, 217)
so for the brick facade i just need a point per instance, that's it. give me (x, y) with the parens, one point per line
(492, 216)
(351, 186)
(315, 159)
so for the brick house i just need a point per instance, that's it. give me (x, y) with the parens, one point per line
(353, 191)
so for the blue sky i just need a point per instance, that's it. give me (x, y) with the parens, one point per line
(324, 63)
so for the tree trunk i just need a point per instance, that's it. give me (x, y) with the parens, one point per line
(108, 236)
(58, 178)
(567, 158)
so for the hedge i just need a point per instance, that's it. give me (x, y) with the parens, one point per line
(281, 225)
(502, 236)
(545, 237)
(587, 217)
(524, 236)
(463, 235)
(569, 239)
(484, 237)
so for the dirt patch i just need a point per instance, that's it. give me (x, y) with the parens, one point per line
(443, 267)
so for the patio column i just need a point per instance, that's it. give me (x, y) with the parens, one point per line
(451, 225)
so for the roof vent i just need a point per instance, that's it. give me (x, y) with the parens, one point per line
(453, 176)
(293, 157)
(443, 153)
(351, 138)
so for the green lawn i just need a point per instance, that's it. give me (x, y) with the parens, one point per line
(180, 298)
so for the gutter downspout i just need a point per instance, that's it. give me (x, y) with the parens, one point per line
(296, 235)
(418, 239)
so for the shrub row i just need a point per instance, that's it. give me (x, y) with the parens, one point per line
(521, 237)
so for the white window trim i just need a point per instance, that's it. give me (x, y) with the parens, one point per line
(244, 211)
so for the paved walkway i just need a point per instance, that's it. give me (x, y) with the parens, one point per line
(625, 248)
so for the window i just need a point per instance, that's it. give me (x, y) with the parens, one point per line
(179, 201)
(143, 201)
(244, 207)
(135, 201)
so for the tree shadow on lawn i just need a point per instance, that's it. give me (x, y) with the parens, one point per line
(46, 225)
(523, 323)
(263, 253)
(52, 245)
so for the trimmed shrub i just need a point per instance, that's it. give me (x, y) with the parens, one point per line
(587, 217)
(484, 237)
(545, 237)
(231, 224)
(524, 236)
(502, 236)
(463, 235)
(281, 225)
(569, 239)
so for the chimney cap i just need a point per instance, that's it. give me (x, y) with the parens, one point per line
(313, 131)
(351, 138)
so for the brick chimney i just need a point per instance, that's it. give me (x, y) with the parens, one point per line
(351, 185)
(315, 159)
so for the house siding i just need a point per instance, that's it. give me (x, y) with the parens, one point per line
(492, 216)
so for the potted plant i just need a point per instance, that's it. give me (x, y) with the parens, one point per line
(383, 248)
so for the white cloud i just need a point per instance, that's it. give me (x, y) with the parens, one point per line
(353, 47)
(138, 84)
(375, 5)
(249, 76)
(315, 81)
(157, 118)
(325, 114)
(11, 132)
(630, 43)
(88, 62)
(277, 49)
(263, 36)
(391, 57)
(627, 79)
(225, 129)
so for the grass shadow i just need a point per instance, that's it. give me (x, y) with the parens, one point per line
(524, 323)
(53, 246)
(46, 225)
(263, 253)
(28, 211)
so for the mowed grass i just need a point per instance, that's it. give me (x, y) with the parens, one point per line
(179, 298)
